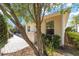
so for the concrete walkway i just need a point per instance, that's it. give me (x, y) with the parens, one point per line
(14, 44)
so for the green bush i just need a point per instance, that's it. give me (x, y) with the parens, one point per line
(56, 41)
(74, 36)
(68, 29)
(51, 43)
(3, 32)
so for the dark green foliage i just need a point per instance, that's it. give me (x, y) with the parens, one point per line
(50, 43)
(56, 41)
(3, 32)
(47, 44)
(68, 29)
(74, 36)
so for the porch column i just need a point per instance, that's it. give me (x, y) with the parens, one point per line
(62, 29)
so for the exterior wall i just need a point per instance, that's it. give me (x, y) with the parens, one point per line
(32, 27)
(43, 27)
(31, 33)
(59, 24)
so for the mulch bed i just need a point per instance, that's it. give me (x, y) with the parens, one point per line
(27, 52)
(70, 50)
(24, 52)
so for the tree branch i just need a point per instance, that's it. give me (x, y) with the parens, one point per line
(43, 14)
(5, 13)
(12, 13)
(37, 11)
(31, 14)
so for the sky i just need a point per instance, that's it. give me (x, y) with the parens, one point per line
(74, 11)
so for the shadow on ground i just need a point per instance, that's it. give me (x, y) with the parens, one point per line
(68, 51)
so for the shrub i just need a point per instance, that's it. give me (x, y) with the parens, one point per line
(72, 29)
(68, 29)
(74, 36)
(56, 41)
(3, 32)
(50, 43)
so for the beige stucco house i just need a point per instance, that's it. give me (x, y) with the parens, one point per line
(56, 21)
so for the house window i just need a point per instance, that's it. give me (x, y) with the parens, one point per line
(50, 27)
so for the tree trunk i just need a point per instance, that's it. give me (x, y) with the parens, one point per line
(66, 38)
(76, 24)
(30, 43)
(37, 13)
(39, 39)
(25, 37)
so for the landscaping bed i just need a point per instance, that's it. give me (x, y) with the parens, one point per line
(24, 52)
(29, 52)
(74, 39)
